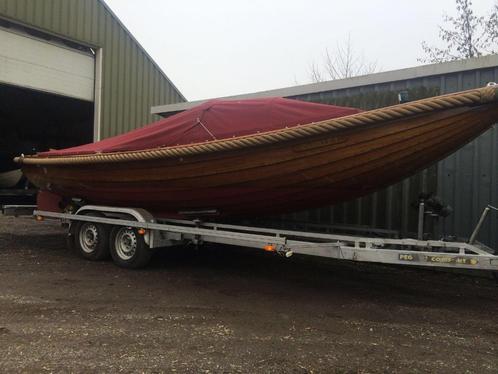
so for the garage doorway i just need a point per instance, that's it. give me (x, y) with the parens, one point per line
(33, 121)
(47, 97)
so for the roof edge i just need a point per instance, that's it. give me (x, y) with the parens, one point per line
(363, 80)
(115, 16)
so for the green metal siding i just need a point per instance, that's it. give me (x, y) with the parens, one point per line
(467, 180)
(131, 82)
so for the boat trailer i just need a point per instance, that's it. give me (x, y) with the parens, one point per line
(130, 233)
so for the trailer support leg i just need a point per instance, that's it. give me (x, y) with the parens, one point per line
(478, 226)
(421, 212)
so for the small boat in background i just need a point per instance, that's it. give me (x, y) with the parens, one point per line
(10, 172)
(10, 179)
(263, 156)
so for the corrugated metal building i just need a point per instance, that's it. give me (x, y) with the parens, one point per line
(74, 62)
(466, 180)
(79, 49)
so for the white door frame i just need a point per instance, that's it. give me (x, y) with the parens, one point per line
(97, 101)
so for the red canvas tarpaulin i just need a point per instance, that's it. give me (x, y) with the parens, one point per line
(215, 119)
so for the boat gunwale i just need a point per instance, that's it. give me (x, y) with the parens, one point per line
(321, 166)
(473, 97)
(288, 159)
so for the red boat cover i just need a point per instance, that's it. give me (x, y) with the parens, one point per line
(215, 119)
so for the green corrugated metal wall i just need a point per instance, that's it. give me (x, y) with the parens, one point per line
(466, 180)
(131, 82)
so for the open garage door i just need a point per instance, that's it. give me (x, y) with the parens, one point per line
(30, 62)
(47, 89)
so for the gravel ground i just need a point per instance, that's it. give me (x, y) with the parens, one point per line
(226, 309)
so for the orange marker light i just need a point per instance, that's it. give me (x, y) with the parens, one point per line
(39, 218)
(270, 248)
(141, 231)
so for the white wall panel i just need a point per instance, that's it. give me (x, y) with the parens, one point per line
(36, 64)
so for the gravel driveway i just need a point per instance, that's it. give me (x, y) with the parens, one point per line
(224, 309)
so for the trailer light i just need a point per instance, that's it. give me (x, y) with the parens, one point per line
(39, 218)
(270, 248)
(141, 231)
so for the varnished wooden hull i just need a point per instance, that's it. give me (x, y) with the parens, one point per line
(264, 180)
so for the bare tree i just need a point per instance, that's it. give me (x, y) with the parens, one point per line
(342, 62)
(316, 74)
(492, 26)
(467, 35)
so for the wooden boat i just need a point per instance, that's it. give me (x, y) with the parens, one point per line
(267, 172)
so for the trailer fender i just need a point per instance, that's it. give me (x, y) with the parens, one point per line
(137, 214)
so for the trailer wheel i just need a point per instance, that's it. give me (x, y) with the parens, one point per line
(128, 248)
(91, 240)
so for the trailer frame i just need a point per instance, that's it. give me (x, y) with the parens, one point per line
(158, 232)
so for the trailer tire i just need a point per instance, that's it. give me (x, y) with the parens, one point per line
(128, 248)
(91, 240)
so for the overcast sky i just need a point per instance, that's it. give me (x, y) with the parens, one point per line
(224, 47)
